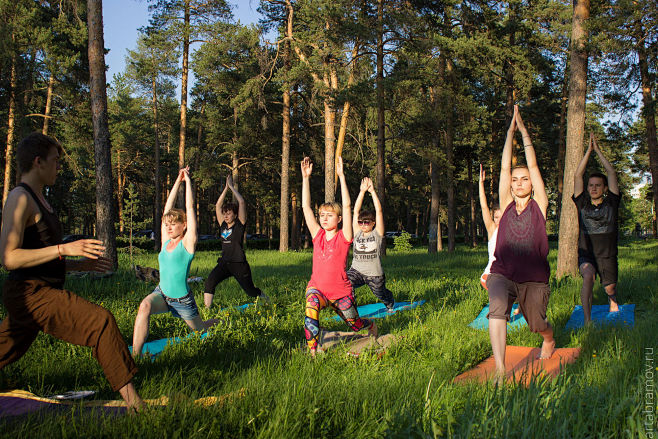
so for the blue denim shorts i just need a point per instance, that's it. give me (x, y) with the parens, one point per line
(184, 308)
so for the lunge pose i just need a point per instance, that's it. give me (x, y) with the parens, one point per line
(520, 271)
(491, 222)
(173, 294)
(232, 218)
(31, 249)
(597, 219)
(368, 230)
(329, 284)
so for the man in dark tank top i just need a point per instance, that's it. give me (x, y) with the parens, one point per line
(31, 249)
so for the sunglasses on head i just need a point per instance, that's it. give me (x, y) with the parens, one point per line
(363, 222)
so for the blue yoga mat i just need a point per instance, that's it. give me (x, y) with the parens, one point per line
(601, 316)
(515, 321)
(155, 347)
(378, 310)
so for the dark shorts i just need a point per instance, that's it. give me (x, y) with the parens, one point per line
(532, 298)
(606, 268)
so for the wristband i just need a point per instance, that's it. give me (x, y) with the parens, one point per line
(59, 253)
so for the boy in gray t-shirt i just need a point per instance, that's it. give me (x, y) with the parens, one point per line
(368, 234)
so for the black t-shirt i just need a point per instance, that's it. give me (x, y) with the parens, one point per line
(232, 250)
(598, 225)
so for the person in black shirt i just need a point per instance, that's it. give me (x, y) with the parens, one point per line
(35, 300)
(597, 220)
(231, 218)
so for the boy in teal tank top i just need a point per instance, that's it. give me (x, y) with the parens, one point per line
(175, 258)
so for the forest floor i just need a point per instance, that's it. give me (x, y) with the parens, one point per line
(258, 356)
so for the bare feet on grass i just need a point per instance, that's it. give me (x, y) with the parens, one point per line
(547, 349)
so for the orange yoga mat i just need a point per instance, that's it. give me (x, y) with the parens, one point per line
(521, 365)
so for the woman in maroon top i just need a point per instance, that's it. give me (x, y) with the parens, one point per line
(520, 271)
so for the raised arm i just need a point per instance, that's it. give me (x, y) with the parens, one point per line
(578, 184)
(171, 199)
(309, 216)
(613, 184)
(220, 203)
(505, 180)
(486, 213)
(531, 160)
(379, 213)
(242, 207)
(348, 232)
(190, 238)
(359, 202)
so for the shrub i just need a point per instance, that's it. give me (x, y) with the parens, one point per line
(402, 242)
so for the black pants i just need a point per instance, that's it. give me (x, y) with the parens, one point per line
(376, 283)
(239, 270)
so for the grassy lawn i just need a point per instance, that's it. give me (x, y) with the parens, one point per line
(408, 393)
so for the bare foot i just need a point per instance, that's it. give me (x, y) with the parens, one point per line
(614, 306)
(516, 311)
(313, 353)
(372, 331)
(547, 349)
(498, 378)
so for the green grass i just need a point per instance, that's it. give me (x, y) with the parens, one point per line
(407, 393)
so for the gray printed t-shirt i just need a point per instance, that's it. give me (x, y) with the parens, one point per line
(365, 256)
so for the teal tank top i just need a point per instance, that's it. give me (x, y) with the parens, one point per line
(174, 268)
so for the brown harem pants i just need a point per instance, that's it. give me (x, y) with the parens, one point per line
(34, 306)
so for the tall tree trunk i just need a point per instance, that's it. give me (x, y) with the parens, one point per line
(49, 101)
(285, 142)
(295, 235)
(567, 257)
(235, 162)
(449, 138)
(329, 143)
(649, 114)
(471, 202)
(381, 116)
(157, 214)
(120, 188)
(105, 213)
(11, 126)
(183, 88)
(434, 206)
(562, 144)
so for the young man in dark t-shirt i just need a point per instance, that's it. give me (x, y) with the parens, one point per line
(231, 218)
(598, 223)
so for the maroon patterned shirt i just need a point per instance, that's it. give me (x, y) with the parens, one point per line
(522, 245)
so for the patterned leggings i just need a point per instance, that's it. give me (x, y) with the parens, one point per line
(344, 307)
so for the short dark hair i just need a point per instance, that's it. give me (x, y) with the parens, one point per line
(367, 215)
(599, 175)
(230, 206)
(32, 146)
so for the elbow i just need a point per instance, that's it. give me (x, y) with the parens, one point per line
(7, 262)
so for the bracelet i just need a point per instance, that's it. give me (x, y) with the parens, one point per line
(59, 253)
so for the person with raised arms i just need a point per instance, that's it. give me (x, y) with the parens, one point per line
(232, 219)
(31, 249)
(173, 293)
(520, 271)
(598, 223)
(366, 266)
(491, 221)
(329, 284)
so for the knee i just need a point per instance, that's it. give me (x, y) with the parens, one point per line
(144, 309)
